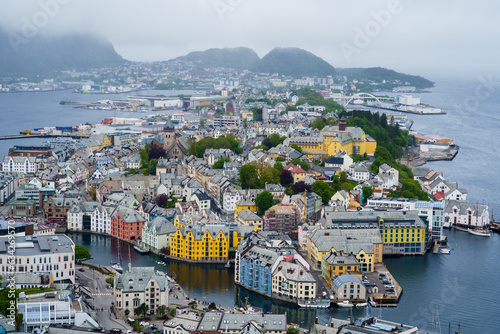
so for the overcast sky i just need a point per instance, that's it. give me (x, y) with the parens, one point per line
(426, 37)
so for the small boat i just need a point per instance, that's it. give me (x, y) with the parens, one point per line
(227, 265)
(141, 250)
(117, 267)
(345, 303)
(479, 233)
(445, 251)
(361, 304)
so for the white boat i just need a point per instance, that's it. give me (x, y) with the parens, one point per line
(479, 233)
(445, 251)
(361, 304)
(141, 250)
(117, 267)
(345, 303)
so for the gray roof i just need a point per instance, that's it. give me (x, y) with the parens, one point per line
(34, 245)
(339, 258)
(248, 215)
(269, 322)
(138, 278)
(342, 279)
(294, 272)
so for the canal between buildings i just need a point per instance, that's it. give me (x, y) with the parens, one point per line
(437, 289)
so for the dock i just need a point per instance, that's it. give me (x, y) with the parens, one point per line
(75, 136)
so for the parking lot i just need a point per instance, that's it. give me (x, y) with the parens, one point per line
(380, 284)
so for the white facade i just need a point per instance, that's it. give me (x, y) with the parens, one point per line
(25, 165)
(230, 198)
(100, 219)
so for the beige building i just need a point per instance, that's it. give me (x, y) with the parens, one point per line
(294, 282)
(348, 287)
(140, 285)
(248, 217)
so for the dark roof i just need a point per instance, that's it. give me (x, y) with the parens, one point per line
(334, 160)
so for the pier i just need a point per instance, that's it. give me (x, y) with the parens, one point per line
(74, 136)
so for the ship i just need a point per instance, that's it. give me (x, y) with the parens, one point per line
(141, 250)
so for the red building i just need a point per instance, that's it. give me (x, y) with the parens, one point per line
(126, 223)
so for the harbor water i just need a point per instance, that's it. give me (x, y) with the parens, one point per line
(438, 289)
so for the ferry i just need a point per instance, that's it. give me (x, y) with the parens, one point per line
(345, 303)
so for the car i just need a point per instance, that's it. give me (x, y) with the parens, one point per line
(81, 269)
(144, 323)
(389, 289)
(390, 286)
(386, 281)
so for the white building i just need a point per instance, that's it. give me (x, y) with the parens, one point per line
(230, 198)
(140, 285)
(25, 165)
(40, 254)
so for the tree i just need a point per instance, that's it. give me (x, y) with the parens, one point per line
(367, 193)
(173, 312)
(161, 200)
(300, 187)
(192, 304)
(304, 165)
(152, 166)
(323, 189)
(156, 151)
(110, 281)
(161, 310)
(279, 166)
(292, 330)
(212, 306)
(248, 177)
(93, 193)
(286, 178)
(142, 309)
(202, 123)
(219, 164)
(81, 253)
(264, 201)
(276, 139)
(296, 147)
(318, 123)
(269, 175)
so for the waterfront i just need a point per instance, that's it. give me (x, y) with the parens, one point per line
(461, 287)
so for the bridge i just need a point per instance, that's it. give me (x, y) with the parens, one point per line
(345, 100)
(7, 137)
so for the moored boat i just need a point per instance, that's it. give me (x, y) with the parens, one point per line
(361, 304)
(141, 250)
(345, 303)
(479, 233)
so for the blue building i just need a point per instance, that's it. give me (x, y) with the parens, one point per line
(256, 269)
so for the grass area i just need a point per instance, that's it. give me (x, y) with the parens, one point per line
(33, 291)
(176, 304)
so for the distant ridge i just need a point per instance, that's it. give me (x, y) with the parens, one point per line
(238, 58)
(46, 54)
(380, 73)
(295, 62)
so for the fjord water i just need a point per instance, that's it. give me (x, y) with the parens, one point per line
(463, 287)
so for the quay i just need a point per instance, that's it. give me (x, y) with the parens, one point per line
(22, 136)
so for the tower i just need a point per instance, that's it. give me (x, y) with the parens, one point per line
(342, 124)
(168, 134)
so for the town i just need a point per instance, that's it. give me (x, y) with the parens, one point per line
(302, 197)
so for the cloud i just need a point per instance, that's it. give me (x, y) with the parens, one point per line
(425, 36)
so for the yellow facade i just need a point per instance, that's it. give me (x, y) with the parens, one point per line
(403, 235)
(244, 207)
(207, 248)
(331, 145)
(335, 270)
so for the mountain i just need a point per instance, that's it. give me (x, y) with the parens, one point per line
(31, 56)
(295, 62)
(379, 74)
(237, 58)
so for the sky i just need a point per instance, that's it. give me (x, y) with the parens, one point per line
(425, 37)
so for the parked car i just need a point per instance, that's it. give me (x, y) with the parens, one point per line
(81, 269)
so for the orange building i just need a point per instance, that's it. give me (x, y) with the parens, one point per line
(126, 223)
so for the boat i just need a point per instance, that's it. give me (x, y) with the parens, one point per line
(141, 250)
(345, 303)
(445, 251)
(479, 232)
(227, 265)
(118, 266)
(362, 304)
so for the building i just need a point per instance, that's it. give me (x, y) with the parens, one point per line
(40, 254)
(246, 204)
(140, 285)
(348, 287)
(292, 281)
(402, 232)
(332, 139)
(53, 308)
(175, 145)
(367, 325)
(8, 184)
(465, 214)
(24, 165)
(126, 223)
(248, 217)
(186, 322)
(156, 234)
(337, 264)
(282, 218)
(22, 208)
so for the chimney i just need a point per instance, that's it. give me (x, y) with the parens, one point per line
(316, 320)
(129, 267)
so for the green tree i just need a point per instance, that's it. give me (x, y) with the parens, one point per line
(292, 330)
(192, 304)
(304, 165)
(93, 193)
(323, 189)
(276, 139)
(296, 147)
(212, 306)
(367, 193)
(136, 327)
(269, 175)
(279, 166)
(318, 123)
(110, 281)
(219, 164)
(248, 177)
(202, 123)
(161, 310)
(152, 166)
(81, 253)
(173, 312)
(264, 201)
(142, 309)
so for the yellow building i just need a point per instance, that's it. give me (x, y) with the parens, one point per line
(245, 205)
(336, 264)
(332, 139)
(366, 245)
(207, 242)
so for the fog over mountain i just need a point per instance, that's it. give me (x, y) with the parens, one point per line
(424, 37)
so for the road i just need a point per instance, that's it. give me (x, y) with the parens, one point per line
(103, 297)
